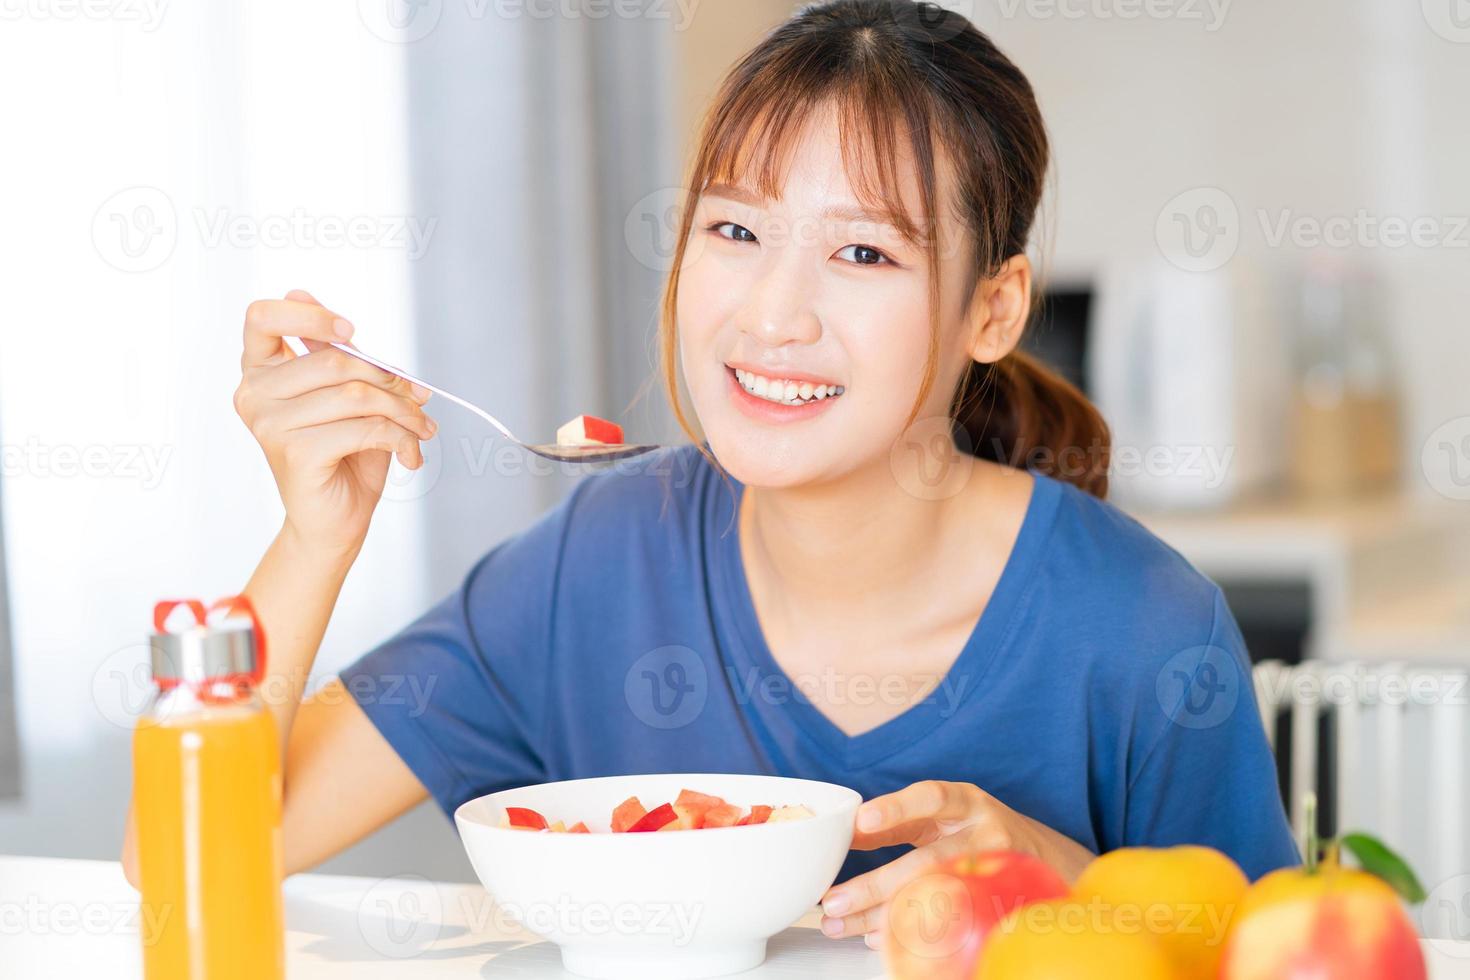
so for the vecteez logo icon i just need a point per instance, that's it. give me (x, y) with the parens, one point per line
(403, 484)
(1199, 230)
(932, 459)
(399, 917)
(136, 229)
(651, 229)
(1445, 459)
(1450, 19)
(1199, 687)
(667, 687)
(931, 22)
(400, 21)
(122, 685)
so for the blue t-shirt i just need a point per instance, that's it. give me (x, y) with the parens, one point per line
(1105, 691)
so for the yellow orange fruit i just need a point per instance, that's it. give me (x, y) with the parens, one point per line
(1064, 940)
(1186, 897)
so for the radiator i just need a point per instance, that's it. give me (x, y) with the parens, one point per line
(1386, 746)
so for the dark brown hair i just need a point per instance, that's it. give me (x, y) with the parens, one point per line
(896, 69)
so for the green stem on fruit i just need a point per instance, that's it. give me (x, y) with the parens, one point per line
(1309, 804)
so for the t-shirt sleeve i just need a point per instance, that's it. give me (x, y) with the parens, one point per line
(460, 692)
(1209, 776)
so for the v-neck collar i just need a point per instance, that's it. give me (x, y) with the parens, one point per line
(732, 597)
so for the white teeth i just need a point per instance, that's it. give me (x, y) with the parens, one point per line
(785, 392)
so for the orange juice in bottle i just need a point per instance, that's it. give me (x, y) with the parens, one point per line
(207, 801)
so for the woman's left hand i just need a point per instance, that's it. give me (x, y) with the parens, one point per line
(941, 820)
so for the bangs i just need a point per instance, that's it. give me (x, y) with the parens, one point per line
(882, 118)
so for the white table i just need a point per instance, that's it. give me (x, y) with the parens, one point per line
(63, 920)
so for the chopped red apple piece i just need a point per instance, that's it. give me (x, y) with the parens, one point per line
(703, 799)
(691, 815)
(627, 813)
(589, 430)
(689, 811)
(691, 807)
(654, 819)
(724, 815)
(523, 818)
(759, 813)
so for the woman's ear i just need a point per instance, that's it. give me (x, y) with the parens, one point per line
(999, 310)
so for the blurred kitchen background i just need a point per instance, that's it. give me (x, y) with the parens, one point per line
(1258, 263)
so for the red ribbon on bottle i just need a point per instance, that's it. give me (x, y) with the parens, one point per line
(231, 604)
(163, 609)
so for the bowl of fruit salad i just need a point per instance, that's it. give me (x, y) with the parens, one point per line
(674, 876)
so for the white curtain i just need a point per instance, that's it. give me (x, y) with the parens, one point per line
(539, 141)
(455, 194)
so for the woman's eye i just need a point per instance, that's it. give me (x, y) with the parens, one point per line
(862, 255)
(734, 232)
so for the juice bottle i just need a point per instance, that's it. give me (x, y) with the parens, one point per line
(207, 800)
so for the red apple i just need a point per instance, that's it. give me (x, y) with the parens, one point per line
(655, 819)
(759, 813)
(524, 818)
(588, 429)
(1333, 923)
(937, 923)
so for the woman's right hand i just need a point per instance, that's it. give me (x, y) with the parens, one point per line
(329, 423)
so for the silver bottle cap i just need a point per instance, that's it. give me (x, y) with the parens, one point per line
(203, 653)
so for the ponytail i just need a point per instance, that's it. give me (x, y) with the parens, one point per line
(1021, 413)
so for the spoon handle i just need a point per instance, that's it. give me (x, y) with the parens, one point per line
(384, 366)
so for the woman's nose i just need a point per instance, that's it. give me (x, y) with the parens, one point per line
(779, 309)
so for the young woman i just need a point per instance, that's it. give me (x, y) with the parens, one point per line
(891, 567)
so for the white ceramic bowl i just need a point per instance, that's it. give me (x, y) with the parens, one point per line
(664, 905)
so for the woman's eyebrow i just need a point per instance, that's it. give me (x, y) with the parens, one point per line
(849, 213)
(734, 192)
(856, 215)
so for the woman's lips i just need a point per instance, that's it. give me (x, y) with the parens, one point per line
(764, 410)
(785, 375)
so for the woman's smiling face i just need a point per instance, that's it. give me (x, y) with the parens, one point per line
(818, 292)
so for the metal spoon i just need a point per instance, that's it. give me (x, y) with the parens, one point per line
(597, 453)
